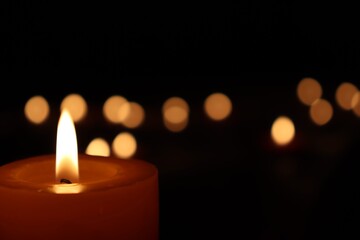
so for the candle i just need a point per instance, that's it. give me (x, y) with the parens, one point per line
(78, 196)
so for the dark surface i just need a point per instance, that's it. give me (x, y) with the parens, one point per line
(226, 179)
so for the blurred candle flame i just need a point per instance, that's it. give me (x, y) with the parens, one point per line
(98, 147)
(344, 95)
(283, 130)
(175, 114)
(76, 105)
(37, 109)
(309, 90)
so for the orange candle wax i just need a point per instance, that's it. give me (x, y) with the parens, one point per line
(114, 199)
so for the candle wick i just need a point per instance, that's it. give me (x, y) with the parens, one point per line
(66, 181)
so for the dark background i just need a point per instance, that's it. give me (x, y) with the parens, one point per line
(217, 179)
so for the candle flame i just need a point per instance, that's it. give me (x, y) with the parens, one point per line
(67, 166)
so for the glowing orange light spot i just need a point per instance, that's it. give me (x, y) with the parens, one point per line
(344, 95)
(112, 107)
(76, 105)
(309, 90)
(218, 106)
(135, 117)
(98, 147)
(282, 130)
(321, 112)
(124, 145)
(37, 109)
(355, 104)
(175, 114)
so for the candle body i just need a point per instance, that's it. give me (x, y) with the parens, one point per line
(118, 200)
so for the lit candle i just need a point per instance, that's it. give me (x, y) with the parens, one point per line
(71, 196)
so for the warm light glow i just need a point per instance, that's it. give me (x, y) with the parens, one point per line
(98, 147)
(309, 90)
(321, 112)
(67, 188)
(283, 130)
(67, 166)
(135, 117)
(124, 145)
(175, 114)
(176, 127)
(218, 106)
(76, 105)
(355, 100)
(111, 108)
(123, 112)
(344, 95)
(355, 104)
(37, 109)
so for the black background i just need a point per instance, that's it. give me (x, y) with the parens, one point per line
(217, 179)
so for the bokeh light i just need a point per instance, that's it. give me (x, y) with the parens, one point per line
(112, 107)
(135, 116)
(124, 145)
(218, 106)
(321, 112)
(355, 104)
(76, 105)
(283, 130)
(309, 90)
(344, 95)
(175, 114)
(98, 147)
(37, 109)
(123, 112)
